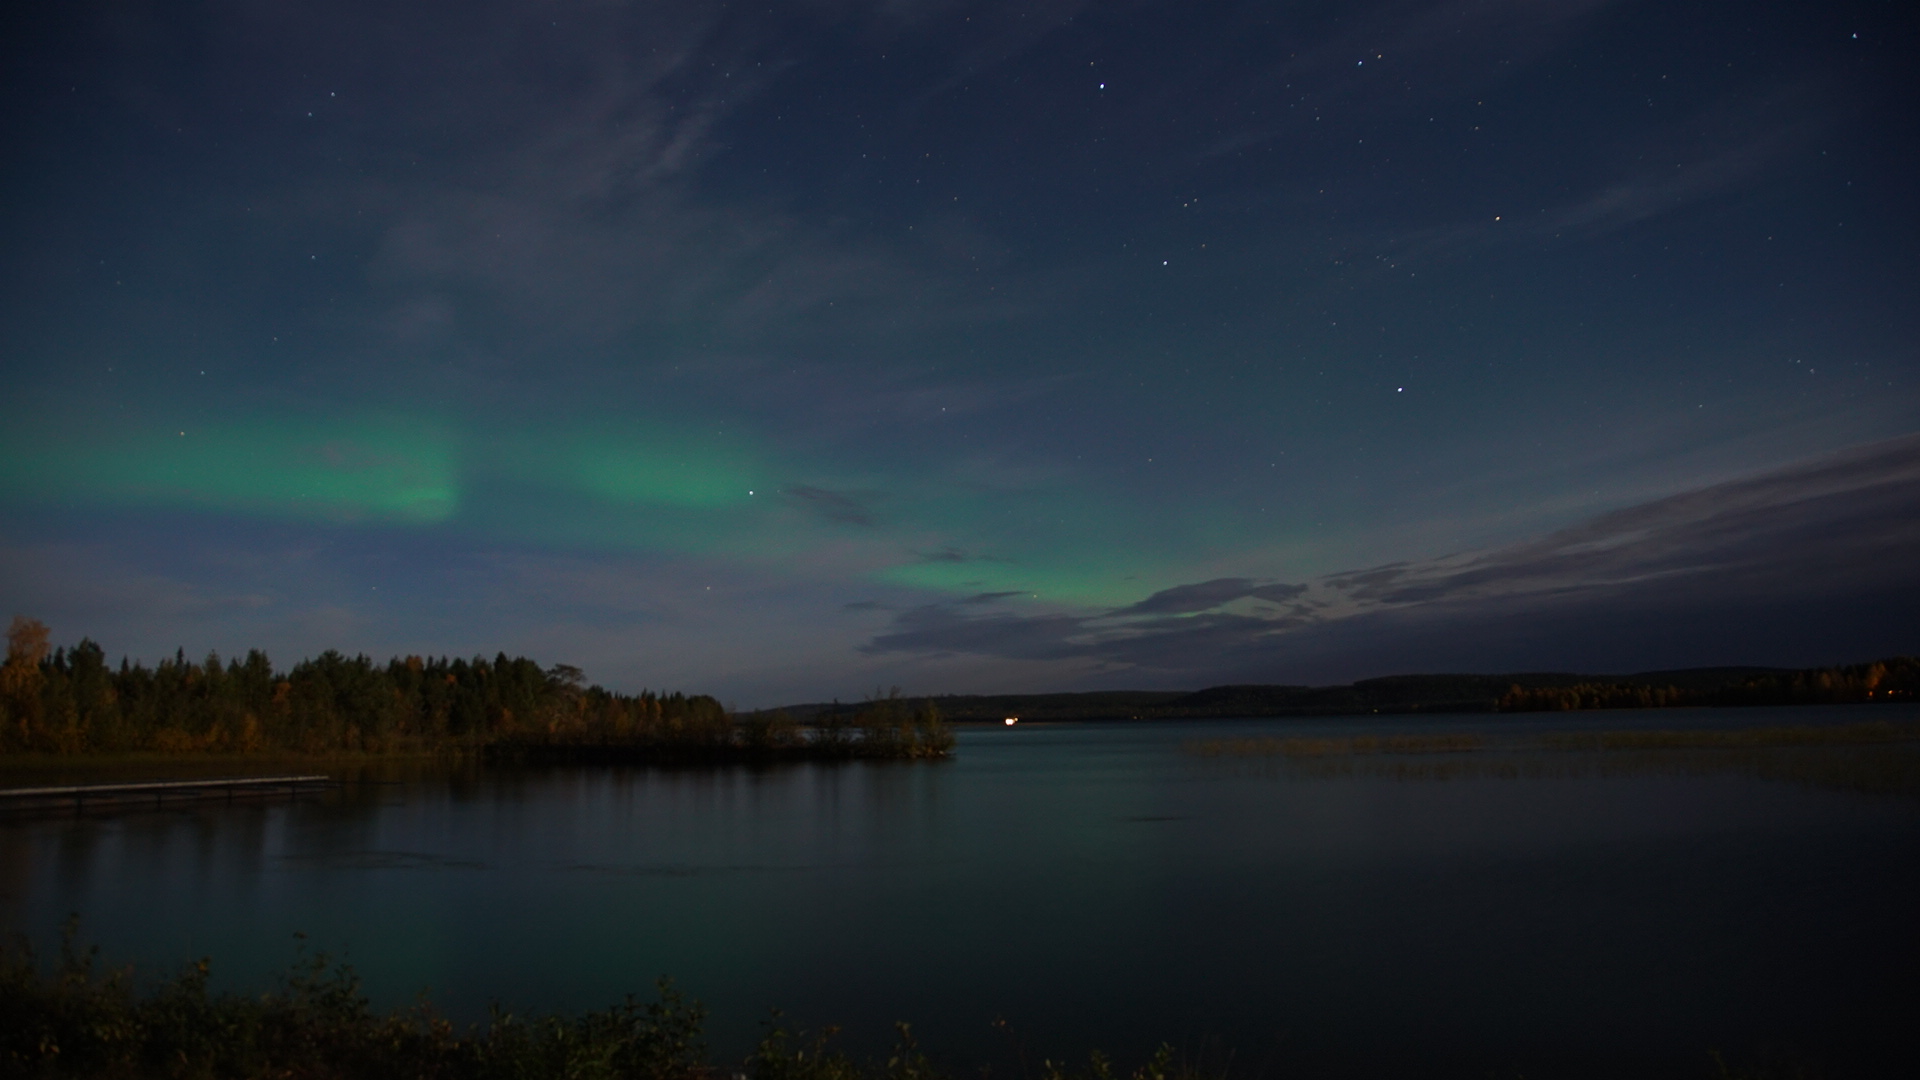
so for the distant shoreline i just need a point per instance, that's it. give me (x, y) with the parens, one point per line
(1893, 679)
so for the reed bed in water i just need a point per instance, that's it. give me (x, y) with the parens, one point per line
(1362, 744)
(1875, 731)
(1875, 768)
(1874, 757)
(1867, 733)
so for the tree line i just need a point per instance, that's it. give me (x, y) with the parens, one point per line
(1893, 679)
(71, 701)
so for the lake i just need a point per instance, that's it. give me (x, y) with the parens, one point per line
(1508, 911)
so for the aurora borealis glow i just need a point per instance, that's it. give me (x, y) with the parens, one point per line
(784, 352)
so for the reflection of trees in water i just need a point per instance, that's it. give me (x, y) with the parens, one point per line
(16, 873)
(77, 850)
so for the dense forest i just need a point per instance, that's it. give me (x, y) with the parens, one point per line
(72, 701)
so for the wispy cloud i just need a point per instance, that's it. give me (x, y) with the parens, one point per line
(1836, 530)
(1207, 595)
(584, 214)
(1708, 155)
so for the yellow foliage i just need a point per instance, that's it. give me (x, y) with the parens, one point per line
(176, 741)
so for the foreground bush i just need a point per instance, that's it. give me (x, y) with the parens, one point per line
(79, 1020)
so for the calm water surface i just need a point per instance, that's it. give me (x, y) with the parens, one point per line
(1094, 885)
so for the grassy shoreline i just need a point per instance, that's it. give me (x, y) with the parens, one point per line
(79, 1019)
(76, 1018)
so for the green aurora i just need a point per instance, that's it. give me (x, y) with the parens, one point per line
(655, 488)
(790, 352)
(369, 469)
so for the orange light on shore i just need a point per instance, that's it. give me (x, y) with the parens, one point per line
(1012, 720)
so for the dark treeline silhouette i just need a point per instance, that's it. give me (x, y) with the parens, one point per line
(1894, 679)
(72, 701)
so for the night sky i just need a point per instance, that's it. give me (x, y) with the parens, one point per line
(782, 352)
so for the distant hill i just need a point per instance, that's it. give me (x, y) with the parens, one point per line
(1897, 678)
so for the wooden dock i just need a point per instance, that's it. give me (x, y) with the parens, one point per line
(160, 792)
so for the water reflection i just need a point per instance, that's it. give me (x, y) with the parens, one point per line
(1508, 907)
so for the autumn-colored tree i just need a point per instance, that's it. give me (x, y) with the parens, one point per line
(20, 683)
(27, 642)
(72, 702)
